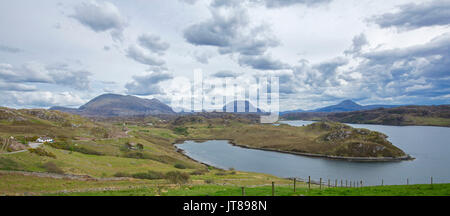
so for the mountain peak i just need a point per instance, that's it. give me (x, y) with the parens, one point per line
(348, 103)
(120, 105)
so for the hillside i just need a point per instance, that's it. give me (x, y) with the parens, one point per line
(405, 115)
(112, 105)
(326, 139)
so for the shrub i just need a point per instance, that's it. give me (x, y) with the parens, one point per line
(177, 177)
(181, 131)
(52, 168)
(140, 146)
(209, 181)
(42, 152)
(70, 147)
(180, 166)
(149, 175)
(199, 172)
(121, 174)
(137, 155)
(221, 173)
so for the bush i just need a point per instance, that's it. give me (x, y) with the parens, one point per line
(42, 152)
(209, 181)
(181, 131)
(67, 146)
(221, 173)
(140, 147)
(52, 168)
(121, 174)
(180, 166)
(199, 172)
(137, 155)
(177, 177)
(149, 175)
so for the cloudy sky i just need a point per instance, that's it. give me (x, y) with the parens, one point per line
(64, 53)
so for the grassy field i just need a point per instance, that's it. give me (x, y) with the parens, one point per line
(18, 184)
(220, 190)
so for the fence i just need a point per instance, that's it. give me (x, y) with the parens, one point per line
(329, 184)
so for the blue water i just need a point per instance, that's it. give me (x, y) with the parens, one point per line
(429, 145)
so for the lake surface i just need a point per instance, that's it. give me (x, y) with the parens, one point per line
(429, 145)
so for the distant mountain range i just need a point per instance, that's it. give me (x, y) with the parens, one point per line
(344, 106)
(110, 105)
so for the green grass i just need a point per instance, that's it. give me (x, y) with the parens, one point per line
(227, 190)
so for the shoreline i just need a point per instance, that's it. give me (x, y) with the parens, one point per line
(406, 157)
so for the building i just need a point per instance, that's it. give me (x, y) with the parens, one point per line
(44, 139)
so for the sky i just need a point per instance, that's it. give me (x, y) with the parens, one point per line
(64, 53)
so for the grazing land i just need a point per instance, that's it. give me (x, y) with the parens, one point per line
(284, 190)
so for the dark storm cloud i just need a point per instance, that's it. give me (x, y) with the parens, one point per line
(420, 70)
(411, 16)
(147, 84)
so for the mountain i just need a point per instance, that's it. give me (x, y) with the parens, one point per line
(344, 106)
(246, 106)
(110, 105)
(292, 111)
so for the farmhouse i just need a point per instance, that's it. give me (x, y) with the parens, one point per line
(44, 139)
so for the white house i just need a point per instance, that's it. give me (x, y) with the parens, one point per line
(44, 139)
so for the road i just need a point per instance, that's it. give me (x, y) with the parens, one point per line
(32, 145)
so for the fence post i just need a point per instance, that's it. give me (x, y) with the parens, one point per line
(294, 183)
(335, 183)
(346, 183)
(382, 182)
(342, 183)
(273, 188)
(320, 184)
(309, 182)
(407, 181)
(243, 191)
(328, 183)
(431, 180)
(361, 183)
